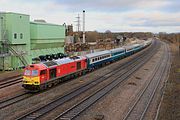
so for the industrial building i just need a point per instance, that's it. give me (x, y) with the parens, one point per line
(21, 40)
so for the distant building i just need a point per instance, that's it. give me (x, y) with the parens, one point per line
(22, 40)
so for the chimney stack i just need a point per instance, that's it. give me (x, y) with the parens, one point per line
(84, 26)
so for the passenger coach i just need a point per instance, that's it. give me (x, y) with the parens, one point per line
(117, 53)
(98, 59)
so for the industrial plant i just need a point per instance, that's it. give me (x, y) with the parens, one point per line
(22, 41)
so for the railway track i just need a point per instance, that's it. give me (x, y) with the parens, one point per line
(39, 112)
(23, 96)
(7, 102)
(8, 78)
(139, 108)
(10, 81)
(78, 108)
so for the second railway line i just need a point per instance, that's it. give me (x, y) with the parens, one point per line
(20, 97)
(82, 97)
(142, 103)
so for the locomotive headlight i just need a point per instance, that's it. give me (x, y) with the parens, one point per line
(24, 79)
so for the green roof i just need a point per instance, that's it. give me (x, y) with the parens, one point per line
(13, 13)
(44, 23)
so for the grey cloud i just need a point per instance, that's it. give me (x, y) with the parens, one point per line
(110, 5)
(160, 23)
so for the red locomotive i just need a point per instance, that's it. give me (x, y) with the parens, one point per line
(41, 76)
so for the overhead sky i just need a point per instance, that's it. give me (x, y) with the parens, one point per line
(102, 15)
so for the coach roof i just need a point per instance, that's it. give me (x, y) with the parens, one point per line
(98, 54)
(117, 49)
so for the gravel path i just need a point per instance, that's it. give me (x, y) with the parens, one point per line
(170, 104)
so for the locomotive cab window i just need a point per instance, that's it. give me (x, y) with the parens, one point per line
(27, 72)
(34, 72)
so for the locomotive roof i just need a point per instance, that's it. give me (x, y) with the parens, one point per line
(50, 63)
(69, 59)
(98, 53)
(36, 66)
(63, 61)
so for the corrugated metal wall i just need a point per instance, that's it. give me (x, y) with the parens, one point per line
(46, 38)
(29, 40)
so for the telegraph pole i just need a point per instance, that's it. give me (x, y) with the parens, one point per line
(78, 23)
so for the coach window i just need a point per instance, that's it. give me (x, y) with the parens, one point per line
(15, 35)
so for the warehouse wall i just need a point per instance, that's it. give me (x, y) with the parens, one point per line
(46, 38)
(28, 39)
(18, 24)
(46, 31)
(18, 36)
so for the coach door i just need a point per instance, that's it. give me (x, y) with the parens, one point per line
(52, 73)
(78, 65)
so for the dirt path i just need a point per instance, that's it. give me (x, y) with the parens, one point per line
(170, 106)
